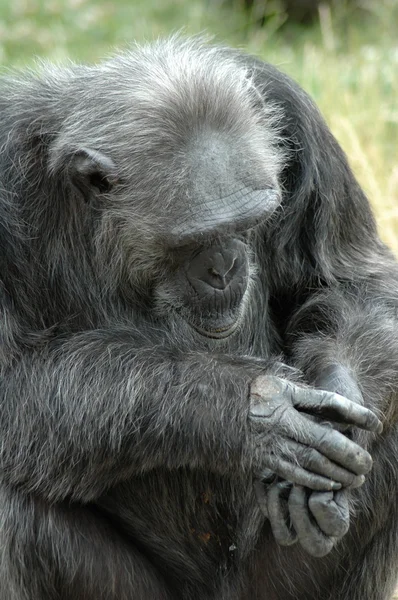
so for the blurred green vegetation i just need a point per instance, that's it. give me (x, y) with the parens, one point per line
(347, 60)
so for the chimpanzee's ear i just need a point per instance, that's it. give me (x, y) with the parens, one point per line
(91, 170)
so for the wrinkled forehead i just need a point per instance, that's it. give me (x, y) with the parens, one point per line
(230, 186)
(196, 149)
(213, 186)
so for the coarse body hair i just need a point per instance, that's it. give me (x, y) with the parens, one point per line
(125, 456)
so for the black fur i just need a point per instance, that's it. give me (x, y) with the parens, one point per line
(126, 456)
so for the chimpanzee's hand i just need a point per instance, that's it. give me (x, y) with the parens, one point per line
(316, 520)
(295, 447)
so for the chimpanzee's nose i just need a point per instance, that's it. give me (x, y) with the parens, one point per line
(219, 264)
(221, 271)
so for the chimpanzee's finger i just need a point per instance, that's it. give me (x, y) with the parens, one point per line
(296, 474)
(309, 535)
(334, 407)
(312, 460)
(334, 445)
(278, 511)
(331, 512)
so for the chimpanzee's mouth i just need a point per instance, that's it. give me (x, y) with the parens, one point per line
(219, 333)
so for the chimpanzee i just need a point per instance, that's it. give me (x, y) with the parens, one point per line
(198, 339)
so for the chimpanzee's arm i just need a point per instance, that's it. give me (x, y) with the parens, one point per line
(352, 350)
(346, 341)
(83, 412)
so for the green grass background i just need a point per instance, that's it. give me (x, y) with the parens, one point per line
(347, 60)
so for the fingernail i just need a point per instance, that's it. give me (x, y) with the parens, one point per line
(336, 486)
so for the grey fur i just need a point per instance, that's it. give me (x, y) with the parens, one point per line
(126, 457)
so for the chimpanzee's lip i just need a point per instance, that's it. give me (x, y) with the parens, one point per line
(219, 333)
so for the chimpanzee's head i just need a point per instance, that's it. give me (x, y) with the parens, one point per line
(178, 154)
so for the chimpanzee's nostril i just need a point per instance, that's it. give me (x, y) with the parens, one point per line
(218, 265)
(215, 279)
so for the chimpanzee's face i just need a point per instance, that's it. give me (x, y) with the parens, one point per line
(186, 236)
(207, 285)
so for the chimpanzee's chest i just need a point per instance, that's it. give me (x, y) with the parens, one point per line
(189, 524)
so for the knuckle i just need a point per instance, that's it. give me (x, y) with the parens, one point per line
(308, 456)
(327, 437)
(267, 386)
(338, 403)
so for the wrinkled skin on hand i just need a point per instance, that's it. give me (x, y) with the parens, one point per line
(294, 446)
(317, 520)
